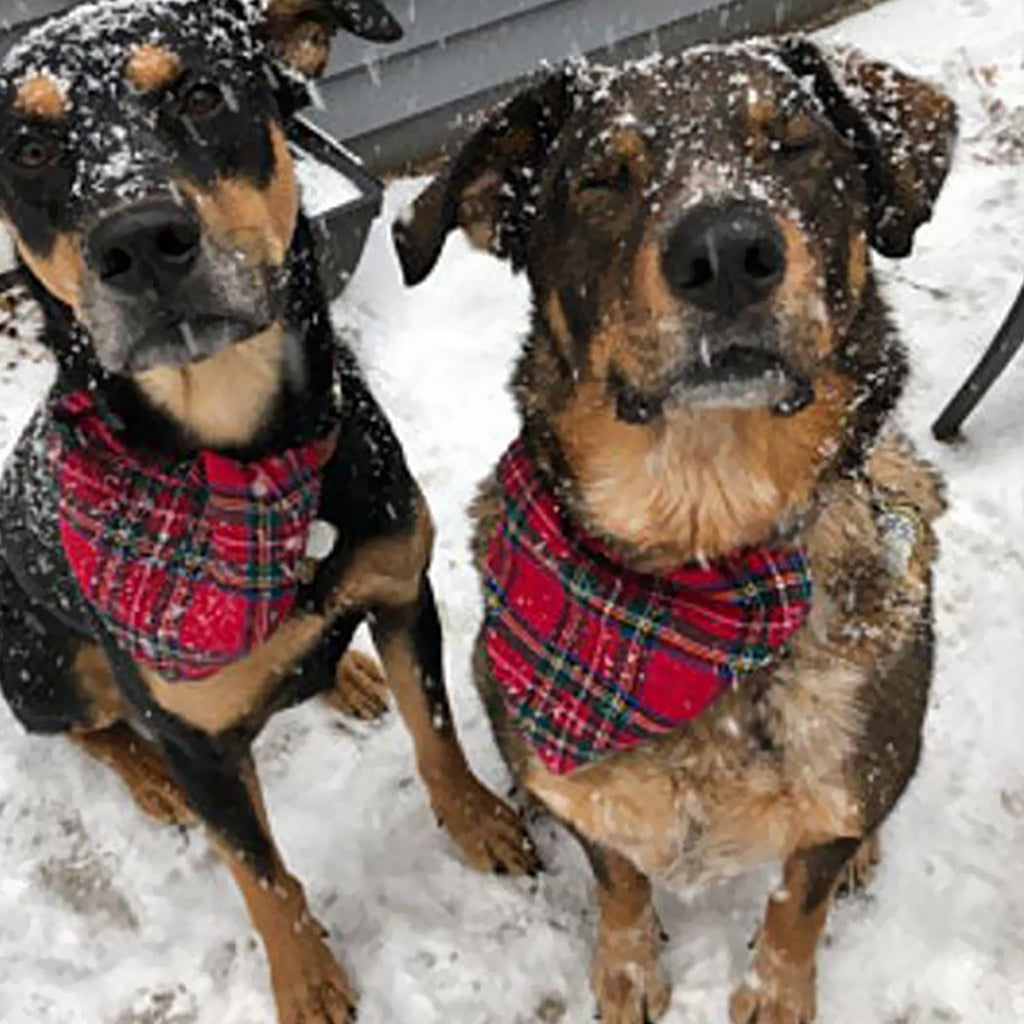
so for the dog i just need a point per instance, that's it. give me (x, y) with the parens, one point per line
(706, 559)
(210, 500)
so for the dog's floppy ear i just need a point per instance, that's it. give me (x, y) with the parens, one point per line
(902, 130)
(299, 31)
(489, 188)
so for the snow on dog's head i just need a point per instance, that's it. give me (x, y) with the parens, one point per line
(696, 230)
(145, 173)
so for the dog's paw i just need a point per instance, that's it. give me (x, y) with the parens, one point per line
(360, 687)
(489, 833)
(313, 989)
(626, 976)
(860, 872)
(775, 991)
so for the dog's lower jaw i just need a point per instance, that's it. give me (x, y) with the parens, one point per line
(224, 400)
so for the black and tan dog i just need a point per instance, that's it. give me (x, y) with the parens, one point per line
(147, 181)
(709, 371)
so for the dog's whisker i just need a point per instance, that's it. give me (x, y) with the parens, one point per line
(190, 339)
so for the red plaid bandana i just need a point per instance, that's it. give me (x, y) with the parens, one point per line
(190, 565)
(593, 657)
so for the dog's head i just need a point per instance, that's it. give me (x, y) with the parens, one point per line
(696, 231)
(144, 171)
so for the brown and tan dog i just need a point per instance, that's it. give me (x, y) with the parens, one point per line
(710, 367)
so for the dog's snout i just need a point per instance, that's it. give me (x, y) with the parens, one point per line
(724, 258)
(151, 245)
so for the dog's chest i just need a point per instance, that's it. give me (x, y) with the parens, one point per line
(774, 765)
(718, 799)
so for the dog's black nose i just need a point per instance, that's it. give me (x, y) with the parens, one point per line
(151, 245)
(724, 258)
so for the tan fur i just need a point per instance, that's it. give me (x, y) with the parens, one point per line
(896, 468)
(360, 687)
(700, 483)
(41, 97)
(98, 687)
(228, 698)
(141, 767)
(307, 49)
(857, 268)
(780, 986)
(556, 320)
(761, 117)
(257, 223)
(296, 38)
(61, 270)
(653, 295)
(151, 67)
(627, 979)
(701, 806)
(800, 293)
(224, 399)
(387, 571)
(308, 984)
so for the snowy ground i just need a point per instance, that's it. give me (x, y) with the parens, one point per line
(106, 919)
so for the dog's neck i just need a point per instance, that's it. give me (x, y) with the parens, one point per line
(261, 396)
(735, 483)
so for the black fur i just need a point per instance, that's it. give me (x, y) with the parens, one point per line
(367, 491)
(823, 865)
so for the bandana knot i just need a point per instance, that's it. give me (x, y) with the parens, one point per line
(192, 564)
(593, 657)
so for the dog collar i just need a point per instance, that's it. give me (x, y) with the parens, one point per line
(189, 564)
(593, 657)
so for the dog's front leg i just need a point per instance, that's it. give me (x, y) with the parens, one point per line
(780, 987)
(408, 639)
(308, 984)
(627, 979)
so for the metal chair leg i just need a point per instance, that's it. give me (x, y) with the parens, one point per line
(1007, 341)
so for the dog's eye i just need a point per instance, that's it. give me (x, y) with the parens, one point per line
(792, 148)
(610, 180)
(33, 152)
(203, 101)
(796, 139)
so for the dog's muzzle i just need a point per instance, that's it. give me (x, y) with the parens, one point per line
(148, 259)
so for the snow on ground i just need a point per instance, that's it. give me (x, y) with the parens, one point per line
(106, 919)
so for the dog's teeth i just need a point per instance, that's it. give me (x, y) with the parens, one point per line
(190, 338)
(705, 351)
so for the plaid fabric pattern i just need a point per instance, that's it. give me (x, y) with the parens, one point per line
(593, 657)
(190, 565)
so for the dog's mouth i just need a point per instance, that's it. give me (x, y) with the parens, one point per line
(742, 377)
(175, 340)
(737, 377)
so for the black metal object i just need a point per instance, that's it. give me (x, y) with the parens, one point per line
(1005, 345)
(340, 232)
